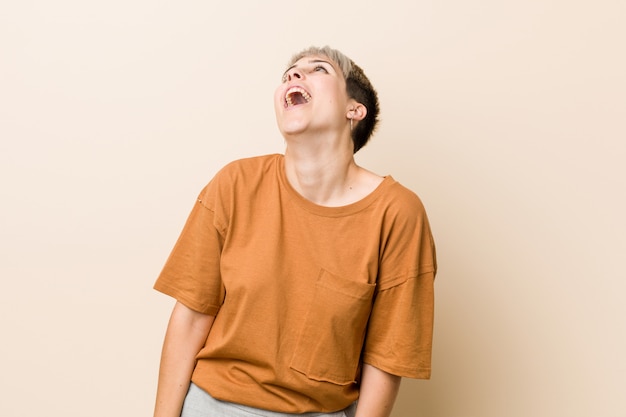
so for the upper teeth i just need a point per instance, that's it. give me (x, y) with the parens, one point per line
(293, 90)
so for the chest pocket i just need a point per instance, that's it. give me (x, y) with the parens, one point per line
(332, 334)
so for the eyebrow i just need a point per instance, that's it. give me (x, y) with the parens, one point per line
(312, 61)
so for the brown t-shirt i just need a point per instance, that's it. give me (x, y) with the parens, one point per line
(303, 294)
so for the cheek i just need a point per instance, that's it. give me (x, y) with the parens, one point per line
(337, 94)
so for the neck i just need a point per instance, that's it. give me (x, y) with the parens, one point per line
(321, 173)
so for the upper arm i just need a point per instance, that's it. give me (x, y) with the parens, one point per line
(194, 324)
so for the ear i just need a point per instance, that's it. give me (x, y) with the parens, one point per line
(356, 111)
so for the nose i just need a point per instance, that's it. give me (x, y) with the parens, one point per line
(294, 74)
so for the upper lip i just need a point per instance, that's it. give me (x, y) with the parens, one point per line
(296, 89)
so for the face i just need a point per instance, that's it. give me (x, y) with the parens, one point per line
(312, 97)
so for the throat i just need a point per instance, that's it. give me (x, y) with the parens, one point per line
(296, 98)
(325, 185)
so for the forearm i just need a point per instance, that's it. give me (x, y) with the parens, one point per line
(378, 392)
(185, 336)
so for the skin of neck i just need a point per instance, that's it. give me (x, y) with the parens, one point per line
(321, 167)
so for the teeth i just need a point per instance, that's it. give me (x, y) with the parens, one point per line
(298, 90)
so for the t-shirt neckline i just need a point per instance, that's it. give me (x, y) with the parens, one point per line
(329, 211)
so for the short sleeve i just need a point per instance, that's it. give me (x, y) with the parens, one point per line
(399, 338)
(400, 330)
(192, 272)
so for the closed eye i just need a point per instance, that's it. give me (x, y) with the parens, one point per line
(320, 68)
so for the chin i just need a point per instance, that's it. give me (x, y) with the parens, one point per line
(292, 127)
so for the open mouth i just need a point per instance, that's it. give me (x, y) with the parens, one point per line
(296, 96)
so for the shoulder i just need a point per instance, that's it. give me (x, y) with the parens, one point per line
(401, 198)
(246, 168)
(401, 208)
(239, 175)
(249, 166)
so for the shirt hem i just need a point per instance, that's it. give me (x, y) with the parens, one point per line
(405, 372)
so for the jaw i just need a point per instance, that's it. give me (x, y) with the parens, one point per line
(292, 122)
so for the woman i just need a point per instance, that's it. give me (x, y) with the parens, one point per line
(303, 281)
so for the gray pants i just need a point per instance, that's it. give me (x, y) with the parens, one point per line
(200, 404)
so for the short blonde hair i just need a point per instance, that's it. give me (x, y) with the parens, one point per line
(358, 87)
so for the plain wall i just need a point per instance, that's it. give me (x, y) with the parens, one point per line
(507, 118)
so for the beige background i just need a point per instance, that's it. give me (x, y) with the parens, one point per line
(507, 118)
